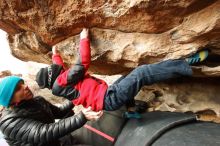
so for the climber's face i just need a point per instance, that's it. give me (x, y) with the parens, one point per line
(22, 92)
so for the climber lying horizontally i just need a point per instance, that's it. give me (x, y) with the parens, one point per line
(81, 88)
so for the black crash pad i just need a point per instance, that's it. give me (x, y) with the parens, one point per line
(111, 124)
(155, 129)
(169, 129)
(147, 129)
(193, 134)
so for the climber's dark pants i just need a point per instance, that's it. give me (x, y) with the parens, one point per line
(127, 87)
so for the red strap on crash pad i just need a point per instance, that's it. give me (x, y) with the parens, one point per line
(99, 133)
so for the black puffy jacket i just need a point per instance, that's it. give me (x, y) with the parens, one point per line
(32, 123)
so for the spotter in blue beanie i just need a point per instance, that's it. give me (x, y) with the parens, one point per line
(7, 88)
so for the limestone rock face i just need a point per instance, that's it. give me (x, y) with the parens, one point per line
(5, 73)
(55, 20)
(124, 35)
(28, 46)
(197, 95)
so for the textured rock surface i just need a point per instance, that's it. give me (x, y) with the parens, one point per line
(5, 73)
(125, 34)
(196, 95)
(129, 33)
(59, 19)
(27, 45)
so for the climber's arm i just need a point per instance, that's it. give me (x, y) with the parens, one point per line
(76, 73)
(84, 50)
(57, 59)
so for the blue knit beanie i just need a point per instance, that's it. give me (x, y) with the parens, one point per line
(7, 88)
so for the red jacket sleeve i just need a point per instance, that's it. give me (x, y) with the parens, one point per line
(57, 59)
(85, 53)
(76, 72)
